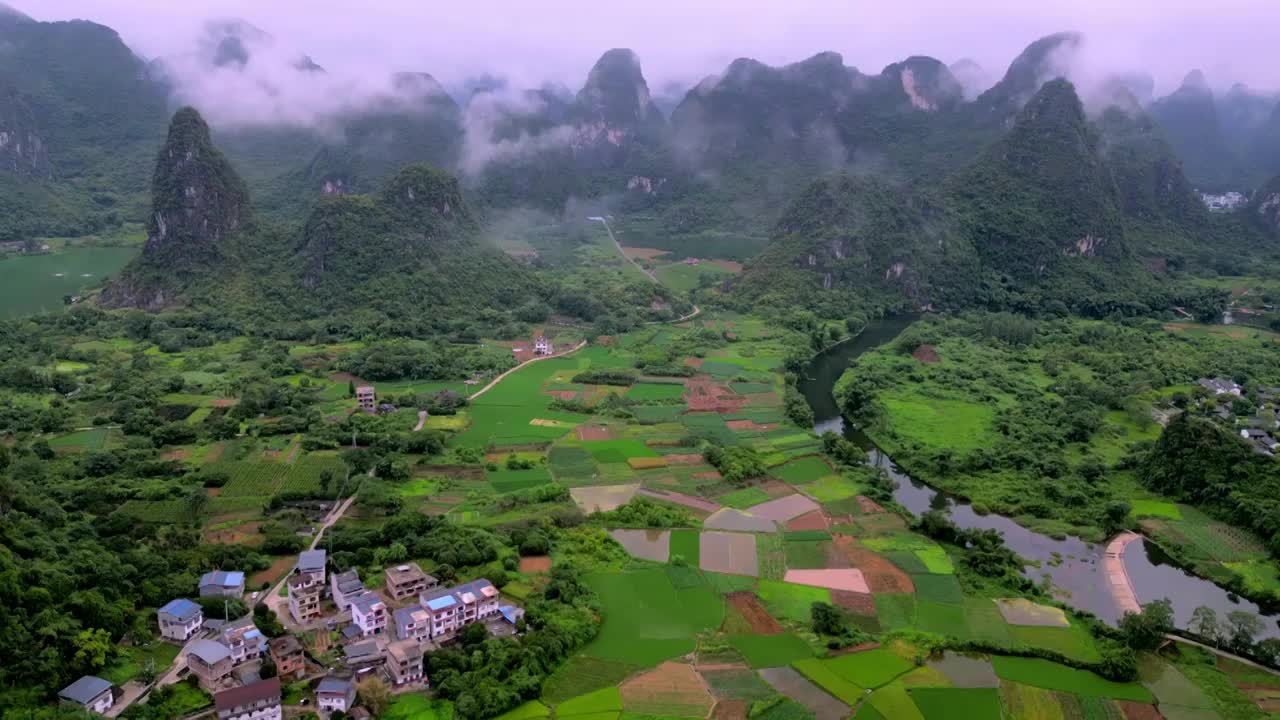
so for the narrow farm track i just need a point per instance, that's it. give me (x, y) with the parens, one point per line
(500, 378)
(696, 310)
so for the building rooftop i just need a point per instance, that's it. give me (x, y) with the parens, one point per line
(85, 689)
(285, 645)
(334, 686)
(222, 578)
(363, 652)
(364, 390)
(408, 572)
(367, 601)
(444, 602)
(348, 582)
(209, 651)
(182, 608)
(404, 650)
(268, 689)
(311, 560)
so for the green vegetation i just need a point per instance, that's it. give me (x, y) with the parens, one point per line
(771, 650)
(1044, 674)
(647, 619)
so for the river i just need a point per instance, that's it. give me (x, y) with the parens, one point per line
(1072, 565)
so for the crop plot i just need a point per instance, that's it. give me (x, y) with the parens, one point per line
(763, 651)
(881, 575)
(739, 520)
(966, 671)
(669, 690)
(505, 481)
(645, 544)
(792, 684)
(957, 703)
(784, 508)
(848, 579)
(753, 611)
(603, 498)
(1020, 611)
(731, 553)
(1051, 676)
(647, 619)
(790, 602)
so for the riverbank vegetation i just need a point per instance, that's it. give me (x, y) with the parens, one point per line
(1057, 423)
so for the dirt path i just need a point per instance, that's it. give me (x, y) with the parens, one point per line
(622, 252)
(422, 420)
(1117, 577)
(278, 603)
(499, 379)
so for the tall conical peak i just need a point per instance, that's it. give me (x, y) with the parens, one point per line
(1045, 59)
(927, 83)
(197, 198)
(616, 95)
(1195, 80)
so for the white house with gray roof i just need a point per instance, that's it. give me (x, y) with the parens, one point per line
(369, 613)
(89, 692)
(312, 563)
(343, 586)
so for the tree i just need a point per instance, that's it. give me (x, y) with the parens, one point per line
(93, 646)
(1119, 663)
(195, 503)
(1243, 627)
(268, 669)
(374, 695)
(1268, 651)
(473, 634)
(827, 619)
(267, 621)
(351, 388)
(326, 479)
(1146, 630)
(1204, 622)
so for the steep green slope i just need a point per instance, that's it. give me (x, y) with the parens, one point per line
(77, 88)
(1190, 120)
(1042, 194)
(410, 249)
(850, 241)
(198, 203)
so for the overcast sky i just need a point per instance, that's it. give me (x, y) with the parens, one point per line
(685, 40)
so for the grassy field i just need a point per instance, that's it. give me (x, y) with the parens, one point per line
(647, 619)
(1050, 676)
(419, 707)
(37, 283)
(957, 703)
(771, 650)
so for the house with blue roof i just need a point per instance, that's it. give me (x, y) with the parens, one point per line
(222, 583)
(180, 619)
(451, 608)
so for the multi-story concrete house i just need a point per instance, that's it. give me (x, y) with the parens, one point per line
(366, 399)
(210, 662)
(451, 608)
(413, 623)
(369, 613)
(304, 598)
(180, 619)
(404, 662)
(343, 586)
(408, 580)
(312, 563)
(244, 641)
(287, 654)
(255, 701)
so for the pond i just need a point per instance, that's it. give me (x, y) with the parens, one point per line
(1072, 565)
(37, 283)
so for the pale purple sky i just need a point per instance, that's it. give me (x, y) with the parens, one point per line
(533, 40)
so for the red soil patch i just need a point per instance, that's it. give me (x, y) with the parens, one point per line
(271, 455)
(1139, 711)
(213, 492)
(815, 520)
(243, 534)
(693, 362)
(293, 453)
(750, 607)
(857, 648)
(704, 395)
(587, 433)
(215, 452)
(769, 399)
(721, 667)
(670, 685)
(731, 710)
(869, 506)
(535, 564)
(741, 425)
(880, 574)
(346, 378)
(776, 488)
(926, 354)
(279, 567)
(712, 475)
(176, 454)
(684, 459)
(224, 402)
(562, 394)
(860, 603)
(644, 253)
